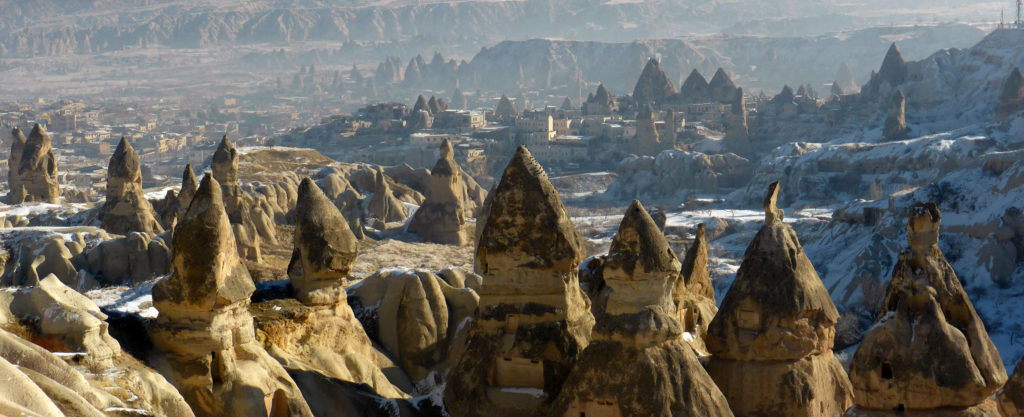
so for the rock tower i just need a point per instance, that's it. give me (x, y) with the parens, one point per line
(637, 363)
(37, 170)
(15, 195)
(127, 209)
(929, 352)
(771, 341)
(224, 165)
(325, 248)
(896, 119)
(205, 329)
(533, 320)
(441, 218)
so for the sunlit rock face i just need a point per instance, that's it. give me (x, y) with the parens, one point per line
(205, 331)
(126, 208)
(637, 362)
(37, 170)
(533, 320)
(771, 341)
(929, 351)
(442, 218)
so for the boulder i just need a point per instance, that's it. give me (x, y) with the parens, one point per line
(1011, 397)
(419, 317)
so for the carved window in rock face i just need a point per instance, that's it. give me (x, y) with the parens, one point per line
(519, 372)
(886, 371)
(594, 408)
(749, 319)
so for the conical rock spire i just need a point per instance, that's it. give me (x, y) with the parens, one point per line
(325, 248)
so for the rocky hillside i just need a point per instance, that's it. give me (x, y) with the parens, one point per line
(756, 62)
(56, 28)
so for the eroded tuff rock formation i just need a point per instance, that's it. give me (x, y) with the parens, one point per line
(637, 363)
(533, 320)
(505, 111)
(325, 248)
(738, 131)
(189, 185)
(929, 352)
(442, 217)
(694, 295)
(895, 127)
(383, 205)
(889, 77)
(647, 140)
(14, 164)
(417, 317)
(38, 382)
(224, 165)
(126, 208)
(721, 88)
(37, 170)
(1011, 397)
(653, 86)
(205, 330)
(695, 88)
(771, 341)
(321, 332)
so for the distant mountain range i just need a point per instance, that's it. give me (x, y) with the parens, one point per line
(60, 27)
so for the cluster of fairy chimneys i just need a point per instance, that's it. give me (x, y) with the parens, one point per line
(32, 174)
(541, 346)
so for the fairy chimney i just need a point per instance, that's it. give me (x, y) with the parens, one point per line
(204, 329)
(771, 341)
(533, 319)
(325, 248)
(637, 363)
(13, 166)
(929, 351)
(126, 208)
(441, 217)
(37, 170)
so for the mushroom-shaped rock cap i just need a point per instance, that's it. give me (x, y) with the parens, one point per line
(207, 273)
(775, 287)
(528, 222)
(125, 163)
(325, 244)
(639, 243)
(225, 162)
